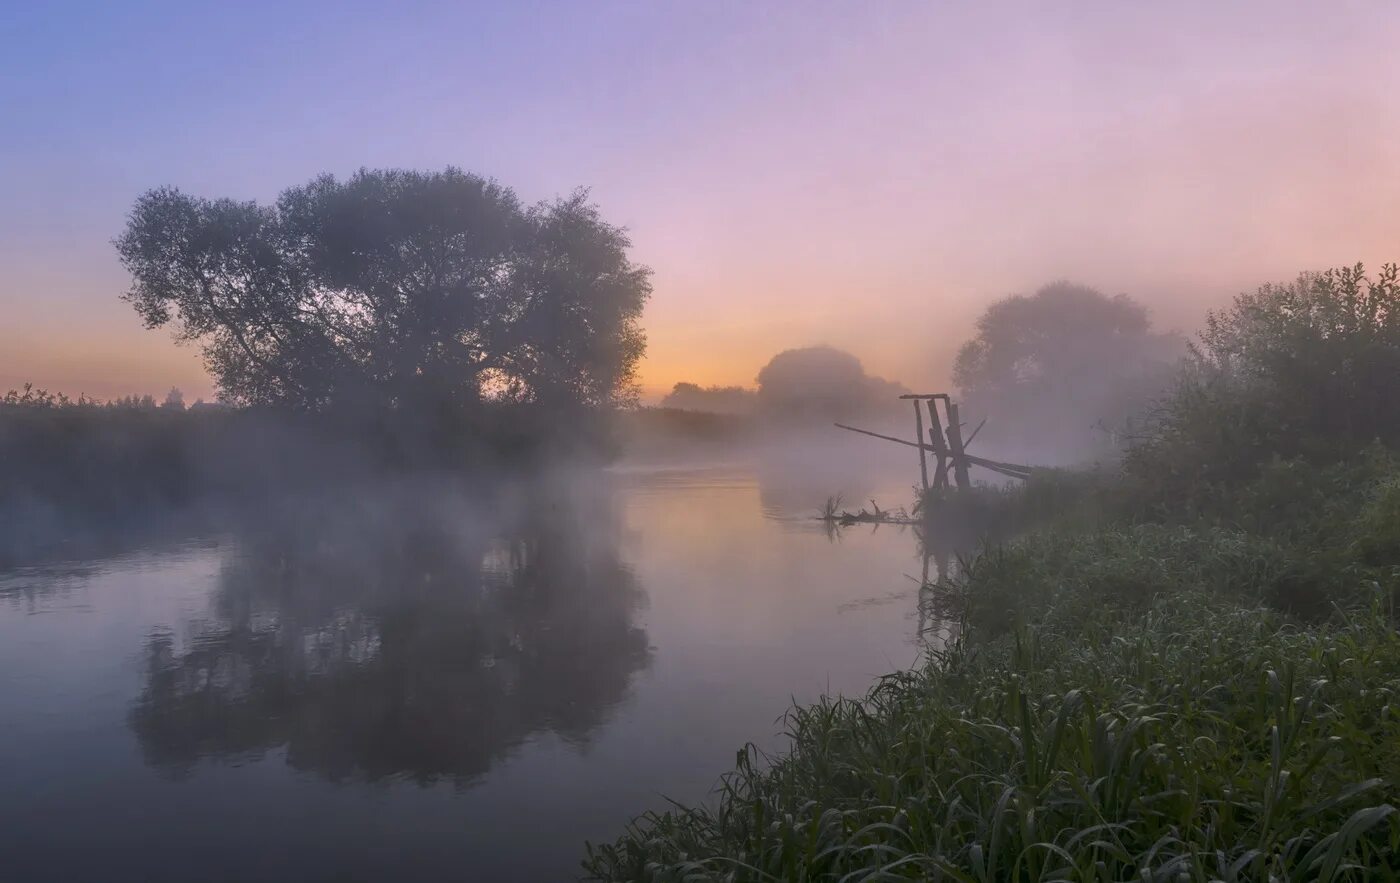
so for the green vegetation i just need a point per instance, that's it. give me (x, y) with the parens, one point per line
(391, 322)
(420, 293)
(76, 471)
(1198, 739)
(1187, 671)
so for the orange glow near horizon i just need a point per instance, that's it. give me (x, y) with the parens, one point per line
(866, 178)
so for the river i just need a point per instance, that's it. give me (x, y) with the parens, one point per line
(415, 685)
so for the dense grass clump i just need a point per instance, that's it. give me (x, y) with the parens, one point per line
(1196, 740)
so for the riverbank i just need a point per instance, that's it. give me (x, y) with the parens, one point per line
(74, 473)
(1209, 695)
(1186, 670)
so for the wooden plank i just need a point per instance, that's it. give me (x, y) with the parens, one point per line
(919, 434)
(935, 437)
(968, 443)
(997, 464)
(1009, 473)
(1015, 470)
(900, 441)
(955, 449)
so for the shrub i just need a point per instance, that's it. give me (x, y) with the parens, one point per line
(1300, 370)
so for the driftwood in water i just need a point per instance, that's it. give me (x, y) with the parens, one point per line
(833, 513)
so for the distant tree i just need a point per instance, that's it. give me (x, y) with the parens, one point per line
(715, 399)
(407, 290)
(1063, 368)
(134, 403)
(29, 397)
(821, 381)
(174, 400)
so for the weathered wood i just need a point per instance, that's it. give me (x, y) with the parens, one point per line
(935, 437)
(997, 468)
(968, 442)
(1014, 470)
(919, 434)
(899, 441)
(997, 464)
(955, 449)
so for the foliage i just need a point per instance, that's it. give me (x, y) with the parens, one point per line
(964, 519)
(1064, 368)
(714, 399)
(823, 382)
(418, 292)
(1193, 741)
(1300, 370)
(74, 470)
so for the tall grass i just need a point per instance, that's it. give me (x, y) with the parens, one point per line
(1197, 740)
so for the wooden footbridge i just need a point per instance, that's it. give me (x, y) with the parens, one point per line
(948, 446)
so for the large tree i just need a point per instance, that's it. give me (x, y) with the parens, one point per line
(824, 382)
(405, 290)
(1063, 369)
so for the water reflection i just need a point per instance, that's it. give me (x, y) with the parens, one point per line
(402, 639)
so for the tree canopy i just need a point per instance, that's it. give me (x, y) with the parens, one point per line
(1057, 367)
(715, 399)
(822, 381)
(426, 291)
(1302, 369)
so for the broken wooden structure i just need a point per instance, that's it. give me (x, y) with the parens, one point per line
(948, 446)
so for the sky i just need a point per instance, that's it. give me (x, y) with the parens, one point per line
(869, 175)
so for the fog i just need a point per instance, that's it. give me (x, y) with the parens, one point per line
(445, 444)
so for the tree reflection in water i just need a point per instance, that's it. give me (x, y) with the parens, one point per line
(400, 640)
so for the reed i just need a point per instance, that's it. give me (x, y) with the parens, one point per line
(1196, 740)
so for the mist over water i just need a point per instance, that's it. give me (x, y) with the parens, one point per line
(423, 679)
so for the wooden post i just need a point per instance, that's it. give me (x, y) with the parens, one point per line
(940, 447)
(919, 435)
(955, 445)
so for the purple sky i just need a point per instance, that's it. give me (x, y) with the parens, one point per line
(869, 175)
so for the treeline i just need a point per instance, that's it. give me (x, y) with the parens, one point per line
(395, 320)
(819, 383)
(1185, 671)
(78, 475)
(1062, 376)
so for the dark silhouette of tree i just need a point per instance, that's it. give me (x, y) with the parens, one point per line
(413, 291)
(1062, 370)
(716, 399)
(821, 381)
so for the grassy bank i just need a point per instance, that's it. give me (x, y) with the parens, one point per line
(1187, 669)
(1199, 741)
(1143, 700)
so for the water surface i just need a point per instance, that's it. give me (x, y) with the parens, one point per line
(424, 684)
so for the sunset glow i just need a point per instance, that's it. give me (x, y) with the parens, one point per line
(860, 175)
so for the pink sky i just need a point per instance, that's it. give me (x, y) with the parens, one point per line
(869, 176)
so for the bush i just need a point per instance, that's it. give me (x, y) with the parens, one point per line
(1301, 370)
